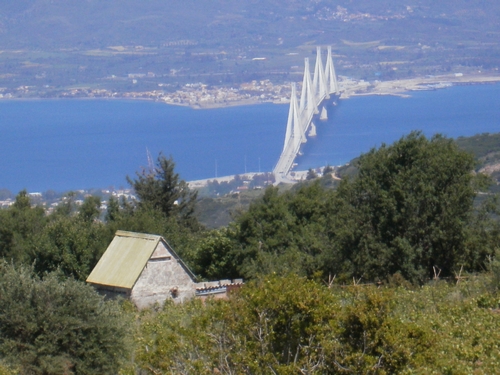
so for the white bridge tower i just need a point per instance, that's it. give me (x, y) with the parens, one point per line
(300, 115)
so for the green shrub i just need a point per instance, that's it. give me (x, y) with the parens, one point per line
(53, 326)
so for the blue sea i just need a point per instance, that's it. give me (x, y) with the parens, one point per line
(80, 144)
(360, 123)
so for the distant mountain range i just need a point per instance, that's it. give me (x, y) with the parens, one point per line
(49, 24)
(67, 42)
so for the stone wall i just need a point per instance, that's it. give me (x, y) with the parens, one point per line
(163, 277)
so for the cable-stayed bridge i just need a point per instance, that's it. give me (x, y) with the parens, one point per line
(314, 92)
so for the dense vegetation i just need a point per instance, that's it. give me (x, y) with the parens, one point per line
(408, 210)
(291, 325)
(485, 148)
(58, 326)
(342, 277)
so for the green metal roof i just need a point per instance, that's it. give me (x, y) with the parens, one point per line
(124, 259)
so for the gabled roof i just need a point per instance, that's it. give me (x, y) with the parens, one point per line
(125, 258)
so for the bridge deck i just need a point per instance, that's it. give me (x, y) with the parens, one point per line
(290, 152)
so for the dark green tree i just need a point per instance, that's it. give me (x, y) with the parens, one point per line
(283, 232)
(90, 209)
(215, 257)
(71, 245)
(113, 211)
(406, 211)
(328, 169)
(162, 189)
(19, 226)
(408, 208)
(311, 174)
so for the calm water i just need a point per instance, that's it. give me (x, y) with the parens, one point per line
(360, 123)
(75, 144)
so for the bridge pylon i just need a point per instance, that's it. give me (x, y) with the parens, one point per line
(300, 115)
(308, 106)
(331, 76)
(320, 87)
(293, 133)
(293, 139)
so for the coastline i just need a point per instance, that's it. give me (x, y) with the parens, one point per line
(475, 83)
(238, 103)
(352, 88)
(404, 87)
(198, 184)
(348, 87)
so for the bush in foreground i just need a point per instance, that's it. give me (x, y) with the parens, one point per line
(291, 325)
(49, 326)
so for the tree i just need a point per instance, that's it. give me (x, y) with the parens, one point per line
(282, 232)
(407, 210)
(19, 226)
(113, 211)
(215, 256)
(328, 169)
(90, 209)
(70, 245)
(161, 188)
(311, 174)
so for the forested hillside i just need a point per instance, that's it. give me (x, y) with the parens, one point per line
(485, 148)
(386, 272)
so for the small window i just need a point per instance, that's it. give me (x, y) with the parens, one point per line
(161, 259)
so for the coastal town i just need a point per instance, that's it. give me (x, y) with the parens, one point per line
(50, 200)
(196, 95)
(202, 96)
(211, 187)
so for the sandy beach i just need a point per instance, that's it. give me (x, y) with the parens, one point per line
(402, 87)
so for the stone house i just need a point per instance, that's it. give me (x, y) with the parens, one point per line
(143, 268)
